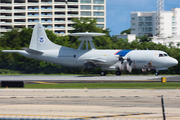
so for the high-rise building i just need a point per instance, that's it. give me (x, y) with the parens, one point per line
(55, 15)
(145, 23)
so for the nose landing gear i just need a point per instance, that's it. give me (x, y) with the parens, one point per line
(156, 73)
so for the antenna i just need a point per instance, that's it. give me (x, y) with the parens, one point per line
(86, 37)
(160, 9)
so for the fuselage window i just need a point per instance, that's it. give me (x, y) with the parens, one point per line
(161, 55)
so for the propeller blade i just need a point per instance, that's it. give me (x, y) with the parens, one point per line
(120, 65)
(128, 65)
(130, 68)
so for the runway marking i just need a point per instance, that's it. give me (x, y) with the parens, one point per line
(44, 82)
(22, 115)
(87, 81)
(79, 117)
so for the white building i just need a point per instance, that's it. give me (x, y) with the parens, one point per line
(144, 23)
(169, 42)
(55, 15)
(130, 37)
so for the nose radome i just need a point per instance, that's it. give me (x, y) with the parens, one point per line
(176, 62)
(173, 62)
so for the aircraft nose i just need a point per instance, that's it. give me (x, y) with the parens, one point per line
(173, 62)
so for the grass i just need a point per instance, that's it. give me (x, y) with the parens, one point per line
(132, 85)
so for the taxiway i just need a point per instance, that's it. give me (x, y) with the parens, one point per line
(86, 79)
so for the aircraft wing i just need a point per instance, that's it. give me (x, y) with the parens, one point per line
(95, 60)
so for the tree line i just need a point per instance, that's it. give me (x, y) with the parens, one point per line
(16, 39)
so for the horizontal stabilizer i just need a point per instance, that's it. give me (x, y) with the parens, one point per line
(10, 51)
(32, 51)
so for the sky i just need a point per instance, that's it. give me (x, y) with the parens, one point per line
(118, 12)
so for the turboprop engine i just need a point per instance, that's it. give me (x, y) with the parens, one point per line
(125, 62)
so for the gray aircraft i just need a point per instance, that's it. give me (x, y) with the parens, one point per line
(41, 48)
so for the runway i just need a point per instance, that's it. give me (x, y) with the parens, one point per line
(85, 79)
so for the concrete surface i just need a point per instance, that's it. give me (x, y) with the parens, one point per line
(79, 103)
(86, 78)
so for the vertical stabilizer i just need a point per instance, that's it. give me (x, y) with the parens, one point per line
(40, 41)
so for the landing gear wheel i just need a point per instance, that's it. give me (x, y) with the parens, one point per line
(103, 73)
(156, 74)
(118, 73)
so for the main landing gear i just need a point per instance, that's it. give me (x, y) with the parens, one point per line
(118, 73)
(103, 73)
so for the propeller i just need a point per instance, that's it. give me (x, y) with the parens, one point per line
(124, 61)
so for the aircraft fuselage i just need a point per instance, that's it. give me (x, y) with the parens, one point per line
(141, 59)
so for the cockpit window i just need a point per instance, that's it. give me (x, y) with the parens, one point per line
(161, 55)
(165, 55)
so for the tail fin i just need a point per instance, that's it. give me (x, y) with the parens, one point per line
(40, 41)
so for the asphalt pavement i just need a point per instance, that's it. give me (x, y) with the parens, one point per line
(86, 79)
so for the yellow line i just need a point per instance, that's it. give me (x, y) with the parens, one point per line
(101, 116)
(44, 82)
(128, 114)
(86, 118)
(95, 81)
(140, 113)
(38, 115)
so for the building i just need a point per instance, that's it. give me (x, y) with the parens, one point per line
(145, 23)
(169, 42)
(130, 37)
(55, 15)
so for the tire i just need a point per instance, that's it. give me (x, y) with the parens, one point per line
(103, 73)
(118, 73)
(156, 74)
